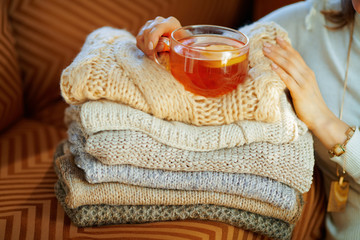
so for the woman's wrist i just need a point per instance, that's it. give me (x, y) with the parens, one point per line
(330, 130)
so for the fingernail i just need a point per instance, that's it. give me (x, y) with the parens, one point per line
(280, 39)
(151, 46)
(268, 50)
(266, 44)
(274, 66)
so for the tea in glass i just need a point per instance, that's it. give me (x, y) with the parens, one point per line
(208, 60)
(209, 65)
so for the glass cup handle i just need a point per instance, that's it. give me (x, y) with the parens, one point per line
(157, 59)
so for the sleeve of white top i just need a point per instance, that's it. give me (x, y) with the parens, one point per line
(292, 19)
(352, 156)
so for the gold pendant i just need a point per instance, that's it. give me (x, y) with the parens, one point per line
(339, 191)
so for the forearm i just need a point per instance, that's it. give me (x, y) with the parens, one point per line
(329, 129)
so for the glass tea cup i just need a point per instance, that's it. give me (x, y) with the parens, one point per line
(208, 60)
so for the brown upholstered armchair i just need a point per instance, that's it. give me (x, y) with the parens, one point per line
(38, 39)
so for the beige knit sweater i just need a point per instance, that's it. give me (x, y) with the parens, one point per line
(289, 163)
(97, 116)
(111, 67)
(79, 193)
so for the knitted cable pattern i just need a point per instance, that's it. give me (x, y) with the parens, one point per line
(79, 193)
(96, 116)
(111, 67)
(103, 214)
(246, 185)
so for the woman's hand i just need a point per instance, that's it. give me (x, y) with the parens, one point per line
(149, 35)
(309, 105)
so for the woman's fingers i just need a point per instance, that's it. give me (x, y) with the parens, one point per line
(152, 32)
(290, 83)
(141, 39)
(149, 35)
(286, 59)
(302, 67)
(162, 28)
(140, 36)
(141, 31)
(299, 79)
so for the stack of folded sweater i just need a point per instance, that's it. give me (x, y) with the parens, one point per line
(142, 149)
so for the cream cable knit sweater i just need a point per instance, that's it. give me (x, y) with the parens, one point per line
(97, 116)
(111, 67)
(79, 193)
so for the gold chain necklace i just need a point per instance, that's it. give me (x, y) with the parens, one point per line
(339, 190)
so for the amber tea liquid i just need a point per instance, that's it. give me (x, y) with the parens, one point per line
(213, 66)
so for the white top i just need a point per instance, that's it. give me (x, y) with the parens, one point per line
(325, 52)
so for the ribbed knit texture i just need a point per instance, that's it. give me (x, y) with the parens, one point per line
(98, 116)
(79, 193)
(111, 67)
(103, 214)
(143, 125)
(246, 185)
(290, 163)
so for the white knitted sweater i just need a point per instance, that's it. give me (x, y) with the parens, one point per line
(111, 67)
(97, 116)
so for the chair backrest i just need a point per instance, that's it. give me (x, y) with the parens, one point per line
(10, 81)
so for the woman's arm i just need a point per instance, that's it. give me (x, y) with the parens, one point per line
(309, 105)
(300, 80)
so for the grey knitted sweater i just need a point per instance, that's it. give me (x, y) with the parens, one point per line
(246, 185)
(103, 214)
(80, 193)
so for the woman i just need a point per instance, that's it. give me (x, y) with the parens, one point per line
(314, 69)
(322, 38)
